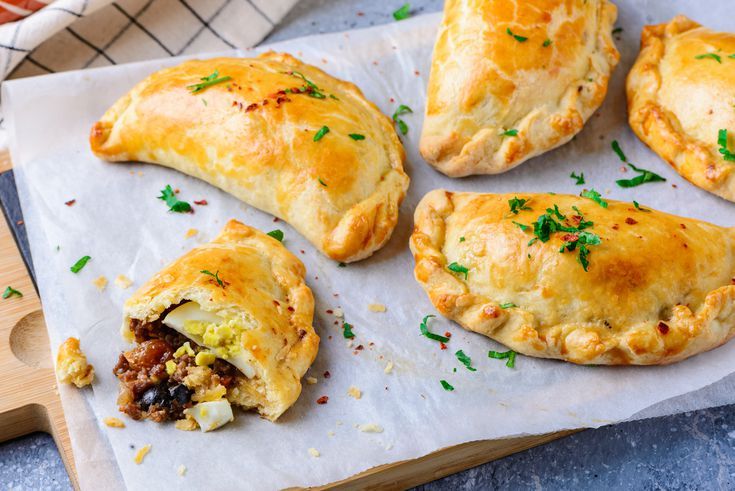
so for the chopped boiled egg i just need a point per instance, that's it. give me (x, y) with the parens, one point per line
(211, 415)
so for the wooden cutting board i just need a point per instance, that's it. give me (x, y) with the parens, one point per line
(30, 402)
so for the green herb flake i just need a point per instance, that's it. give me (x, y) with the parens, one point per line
(617, 30)
(509, 355)
(643, 177)
(712, 56)
(462, 239)
(310, 88)
(174, 204)
(510, 132)
(320, 134)
(402, 126)
(579, 178)
(424, 328)
(616, 148)
(347, 331)
(547, 43)
(722, 142)
(10, 291)
(80, 264)
(322, 182)
(215, 276)
(356, 136)
(465, 360)
(341, 265)
(403, 13)
(508, 305)
(594, 196)
(458, 268)
(638, 207)
(276, 234)
(518, 204)
(446, 385)
(522, 226)
(520, 39)
(732, 56)
(208, 81)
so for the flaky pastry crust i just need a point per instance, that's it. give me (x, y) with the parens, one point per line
(264, 282)
(253, 136)
(484, 80)
(678, 100)
(660, 288)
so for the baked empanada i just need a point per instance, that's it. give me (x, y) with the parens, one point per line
(513, 79)
(681, 101)
(558, 276)
(230, 320)
(276, 133)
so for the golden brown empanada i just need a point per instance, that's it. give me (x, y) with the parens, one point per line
(681, 101)
(229, 320)
(658, 288)
(260, 135)
(513, 79)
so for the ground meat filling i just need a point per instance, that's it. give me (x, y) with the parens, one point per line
(146, 389)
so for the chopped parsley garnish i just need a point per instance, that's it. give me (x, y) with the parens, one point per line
(547, 43)
(276, 234)
(322, 182)
(347, 331)
(556, 212)
(510, 355)
(579, 178)
(174, 204)
(465, 360)
(594, 196)
(447, 386)
(583, 239)
(518, 204)
(732, 56)
(10, 291)
(508, 305)
(713, 56)
(208, 81)
(80, 264)
(520, 39)
(638, 207)
(616, 148)
(642, 178)
(510, 132)
(458, 268)
(402, 109)
(215, 276)
(425, 331)
(521, 226)
(462, 239)
(722, 142)
(617, 30)
(320, 134)
(341, 265)
(310, 88)
(546, 225)
(356, 136)
(403, 13)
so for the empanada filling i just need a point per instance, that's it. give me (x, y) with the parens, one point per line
(184, 357)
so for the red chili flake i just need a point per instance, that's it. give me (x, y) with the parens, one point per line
(416, 72)
(234, 103)
(327, 374)
(329, 311)
(335, 294)
(276, 219)
(663, 328)
(615, 227)
(329, 337)
(360, 14)
(322, 400)
(201, 202)
(570, 237)
(276, 303)
(19, 222)
(316, 277)
(447, 334)
(251, 107)
(177, 191)
(630, 221)
(576, 219)
(442, 346)
(70, 202)
(302, 251)
(360, 347)
(336, 323)
(674, 186)
(392, 99)
(291, 309)
(683, 226)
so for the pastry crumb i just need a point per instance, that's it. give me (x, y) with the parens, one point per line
(314, 452)
(123, 281)
(389, 367)
(370, 428)
(140, 454)
(114, 422)
(181, 470)
(72, 366)
(330, 433)
(311, 380)
(354, 392)
(186, 424)
(191, 232)
(376, 307)
(338, 312)
(100, 283)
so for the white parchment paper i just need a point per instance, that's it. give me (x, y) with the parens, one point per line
(118, 221)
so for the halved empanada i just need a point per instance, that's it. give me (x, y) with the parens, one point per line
(276, 133)
(229, 320)
(511, 80)
(681, 101)
(558, 276)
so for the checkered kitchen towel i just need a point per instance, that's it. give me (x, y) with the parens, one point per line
(46, 36)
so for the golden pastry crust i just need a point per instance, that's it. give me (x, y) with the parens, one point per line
(677, 103)
(72, 366)
(252, 139)
(659, 289)
(484, 81)
(264, 282)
